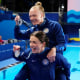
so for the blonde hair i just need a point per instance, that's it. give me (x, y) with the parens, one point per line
(39, 6)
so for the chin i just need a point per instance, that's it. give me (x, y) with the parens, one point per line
(34, 23)
(33, 51)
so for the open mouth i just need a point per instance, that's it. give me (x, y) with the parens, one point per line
(33, 21)
(34, 49)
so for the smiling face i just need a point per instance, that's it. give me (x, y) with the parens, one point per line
(36, 16)
(36, 45)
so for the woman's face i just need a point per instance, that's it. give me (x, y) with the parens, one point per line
(36, 16)
(36, 45)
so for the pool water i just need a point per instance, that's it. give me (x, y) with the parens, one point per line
(73, 55)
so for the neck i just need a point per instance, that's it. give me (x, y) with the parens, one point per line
(42, 49)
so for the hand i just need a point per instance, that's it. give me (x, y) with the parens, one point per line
(52, 54)
(17, 18)
(16, 47)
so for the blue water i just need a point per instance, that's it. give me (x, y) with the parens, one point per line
(10, 73)
(72, 54)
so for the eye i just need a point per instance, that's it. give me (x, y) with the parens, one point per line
(33, 42)
(34, 15)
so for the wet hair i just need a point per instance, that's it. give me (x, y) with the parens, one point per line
(39, 6)
(41, 36)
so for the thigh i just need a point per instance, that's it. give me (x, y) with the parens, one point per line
(60, 75)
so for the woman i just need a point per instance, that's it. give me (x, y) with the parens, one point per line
(39, 22)
(52, 29)
(38, 65)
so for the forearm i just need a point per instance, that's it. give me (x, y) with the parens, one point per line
(61, 47)
(60, 39)
(18, 55)
(16, 32)
(54, 50)
(21, 35)
(27, 24)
